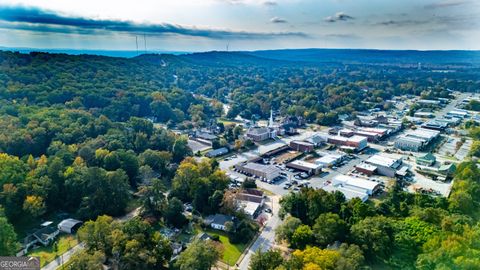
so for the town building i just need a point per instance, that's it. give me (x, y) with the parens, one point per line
(329, 159)
(426, 160)
(415, 140)
(386, 165)
(368, 186)
(346, 132)
(429, 102)
(457, 113)
(302, 146)
(436, 125)
(371, 136)
(349, 193)
(355, 142)
(318, 139)
(304, 166)
(266, 172)
(365, 168)
(217, 152)
(422, 114)
(353, 187)
(442, 172)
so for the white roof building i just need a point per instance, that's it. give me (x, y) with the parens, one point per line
(355, 183)
(328, 160)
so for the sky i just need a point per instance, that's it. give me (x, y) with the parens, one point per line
(204, 25)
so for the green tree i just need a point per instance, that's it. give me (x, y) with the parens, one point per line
(8, 237)
(329, 227)
(302, 237)
(375, 236)
(199, 255)
(174, 213)
(268, 260)
(286, 230)
(87, 261)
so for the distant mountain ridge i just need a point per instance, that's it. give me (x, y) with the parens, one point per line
(291, 57)
(371, 56)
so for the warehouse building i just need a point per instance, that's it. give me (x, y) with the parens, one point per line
(352, 187)
(265, 172)
(365, 168)
(217, 152)
(386, 165)
(304, 166)
(416, 140)
(371, 136)
(329, 159)
(355, 142)
(356, 183)
(302, 146)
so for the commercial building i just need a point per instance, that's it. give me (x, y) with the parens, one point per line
(424, 114)
(443, 171)
(266, 172)
(349, 193)
(426, 160)
(217, 152)
(352, 187)
(415, 140)
(302, 146)
(356, 183)
(329, 159)
(346, 132)
(458, 113)
(429, 102)
(381, 132)
(318, 139)
(304, 166)
(365, 168)
(409, 143)
(355, 142)
(386, 165)
(371, 136)
(436, 125)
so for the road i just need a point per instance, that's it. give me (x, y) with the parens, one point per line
(266, 239)
(55, 264)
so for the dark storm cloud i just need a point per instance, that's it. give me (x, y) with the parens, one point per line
(339, 16)
(34, 19)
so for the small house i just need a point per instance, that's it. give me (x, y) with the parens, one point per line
(218, 221)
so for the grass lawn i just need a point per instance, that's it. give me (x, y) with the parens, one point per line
(47, 254)
(231, 252)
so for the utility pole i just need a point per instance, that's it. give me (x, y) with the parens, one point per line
(136, 43)
(145, 40)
